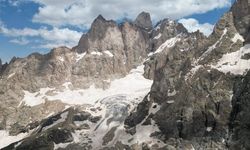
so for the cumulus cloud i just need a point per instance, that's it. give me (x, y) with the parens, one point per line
(61, 14)
(52, 38)
(193, 25)
(82, 12)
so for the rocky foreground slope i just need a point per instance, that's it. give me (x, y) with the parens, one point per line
(193, 92)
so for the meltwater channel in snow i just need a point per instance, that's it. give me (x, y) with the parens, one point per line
(133, 85)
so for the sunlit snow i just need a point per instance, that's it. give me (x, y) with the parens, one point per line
(96, 53)
(237, 37)
(211, 48)
(80, 56)
(132, 85)
(158, 36)
(6, 139)
(167, 44)
(109, 53)
(11, 75)
(233, 62)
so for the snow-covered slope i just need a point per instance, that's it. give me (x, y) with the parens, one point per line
(133, 85)
(6, 139)
(91, 99)
(235, 62)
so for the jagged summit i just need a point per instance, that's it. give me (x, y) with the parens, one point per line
(100, 17)
(100, 20)
(143, 20)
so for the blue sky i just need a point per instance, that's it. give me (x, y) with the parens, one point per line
(28, 26)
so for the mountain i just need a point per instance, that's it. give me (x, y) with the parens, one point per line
(133, 86)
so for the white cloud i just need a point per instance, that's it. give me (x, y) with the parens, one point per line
(20, 41)
(50, 38)
(193, 25)
(82, 12)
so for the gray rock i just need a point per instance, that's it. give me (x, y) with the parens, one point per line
(196, 107)
(193, 99)
(143, 20)
(239, 118)
(241, 14)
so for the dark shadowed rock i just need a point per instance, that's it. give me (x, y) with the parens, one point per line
(241, 14)
(195, 107)
(143, 20)
(137, 117)
(240, 115)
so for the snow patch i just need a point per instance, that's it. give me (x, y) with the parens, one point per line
(143, 133)
(11, 75)
(237, 37)
(167, 44)
(172, 93)
(61, 58)
(33, 99)
(150, 54)
(154, 108)
(6, 139)
(80, 56)
(170, 102)
(209, 129)
(96, 53)
(158, 36)
(211, 48)
(109, 53)
(60, 145)
(233, 63)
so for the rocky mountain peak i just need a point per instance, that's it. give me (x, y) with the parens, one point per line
(170, 24)
(98, 30)
(164, 30)
(99, 27)
(100, 18)
(186, 105)
(143, 20)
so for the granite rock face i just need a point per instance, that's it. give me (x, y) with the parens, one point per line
(239, 119)
(191, 89)
(143, 20)
(199, 98)
(241, 14)
(107, 52)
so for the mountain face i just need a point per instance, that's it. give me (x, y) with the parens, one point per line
(133, 86)
(239, 118)
(241, 14)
